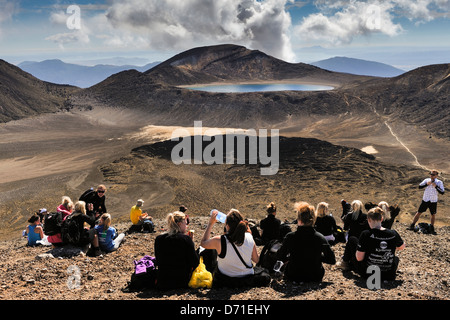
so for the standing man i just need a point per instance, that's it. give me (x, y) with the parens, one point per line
(432, 186)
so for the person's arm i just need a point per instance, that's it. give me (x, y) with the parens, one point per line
(424, 183)
(360, 255)
(39, 230)
(211, 243)
(440, 188)
(255, 256)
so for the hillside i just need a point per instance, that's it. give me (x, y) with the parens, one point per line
(310, 170)
(235, 63)
(22, 95)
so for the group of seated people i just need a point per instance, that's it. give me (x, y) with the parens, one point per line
(233, 256)
(93, 227)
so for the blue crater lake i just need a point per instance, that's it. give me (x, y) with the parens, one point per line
(229, 88)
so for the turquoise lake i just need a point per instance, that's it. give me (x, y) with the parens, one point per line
(260, 87)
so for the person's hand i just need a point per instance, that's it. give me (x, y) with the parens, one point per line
(213, 217)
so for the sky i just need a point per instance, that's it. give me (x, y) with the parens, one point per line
(403, 33)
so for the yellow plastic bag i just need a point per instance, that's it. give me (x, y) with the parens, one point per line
(201, 278)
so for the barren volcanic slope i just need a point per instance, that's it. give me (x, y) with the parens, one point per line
(310, 170)
(22, 95)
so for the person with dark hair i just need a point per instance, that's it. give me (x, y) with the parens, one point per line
(236, 251)
(432, 186)
(175, 254)
(305, 250)
(34, 230)
(270, 226)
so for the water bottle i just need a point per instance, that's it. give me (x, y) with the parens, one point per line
(221, 217)
(277, 268)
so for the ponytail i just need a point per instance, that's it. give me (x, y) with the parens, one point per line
(106, 221)
(173, 219)
(271, 208)
(238, 227)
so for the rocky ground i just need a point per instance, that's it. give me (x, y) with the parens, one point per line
(27, 273)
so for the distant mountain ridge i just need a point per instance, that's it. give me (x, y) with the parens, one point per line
(358, 66)
(59, 72)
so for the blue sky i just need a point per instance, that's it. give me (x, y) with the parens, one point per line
(403, 33)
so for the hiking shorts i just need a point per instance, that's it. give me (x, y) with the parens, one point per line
(432, 206)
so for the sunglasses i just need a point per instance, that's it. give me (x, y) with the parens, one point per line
(101, 191)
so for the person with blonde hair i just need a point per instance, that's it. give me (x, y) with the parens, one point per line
(305, 250)
(355, 222)
(325, 223)
(236, 250)
(85, 233)
(108, 239)
(95, 201)
(175, 254)
(66, 209)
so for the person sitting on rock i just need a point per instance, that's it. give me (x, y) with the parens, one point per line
(270, 226)
(236, 251)
(108, 239)
(175, 254)
(325, 223)
(34, 230)
(141, 220)
(305, 250)
(65, 208)
(376, 247)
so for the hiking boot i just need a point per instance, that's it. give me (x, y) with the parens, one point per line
(344, 266)
(432, 231)
(411, 227)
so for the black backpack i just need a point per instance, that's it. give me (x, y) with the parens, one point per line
(52, 223)
(268, 256)
(70, 230)
(87, 195)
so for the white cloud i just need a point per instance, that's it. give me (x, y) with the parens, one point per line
(7, 10)
(174, 24)
(339, 22)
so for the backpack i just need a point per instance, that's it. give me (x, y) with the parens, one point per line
(144, 276)
(268, 256)
(147, 227)
(423, 227)
(52, 223)
(70, 230)
(87, 195)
